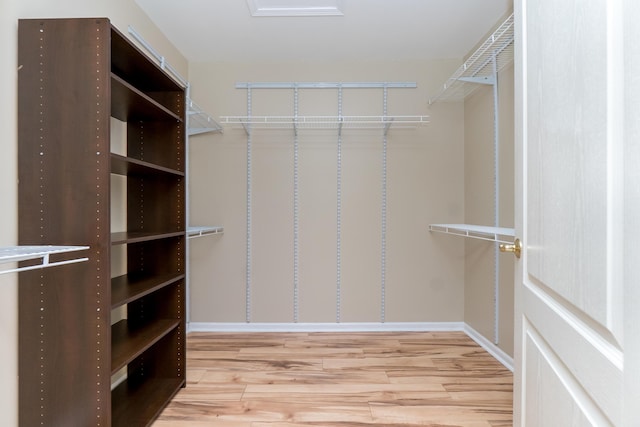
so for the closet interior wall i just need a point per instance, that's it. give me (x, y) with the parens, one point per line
(424, 278)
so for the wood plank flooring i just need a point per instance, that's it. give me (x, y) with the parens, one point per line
(340, 379)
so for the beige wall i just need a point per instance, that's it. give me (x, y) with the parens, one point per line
(8, 215)
(424, 274)
(122, 13)
(479, 209)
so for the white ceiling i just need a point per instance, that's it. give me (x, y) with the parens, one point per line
(224, 30)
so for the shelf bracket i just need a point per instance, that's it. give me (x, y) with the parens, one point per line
(387, 125)
(246, 127)
(482, 80)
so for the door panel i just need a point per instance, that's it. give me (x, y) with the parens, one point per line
(569, 286)
(554, 401)
(567, 143)
(584, 355)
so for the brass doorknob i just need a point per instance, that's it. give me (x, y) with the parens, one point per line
(516, 248)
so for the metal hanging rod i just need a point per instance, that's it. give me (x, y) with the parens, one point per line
(325, 85)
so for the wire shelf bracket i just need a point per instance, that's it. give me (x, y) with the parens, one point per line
(339, 122)
(195, 232)
(199, 121)
(479, 69)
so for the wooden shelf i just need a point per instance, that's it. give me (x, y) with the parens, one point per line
(128, 166)
(124, 237)
(131, 104)
(138, 404)
(127, 342)
(130, 287)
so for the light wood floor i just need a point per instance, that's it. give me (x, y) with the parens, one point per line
(340, 379)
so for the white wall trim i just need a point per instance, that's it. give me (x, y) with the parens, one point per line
(326, 327)
(483, 342)
(491, 348)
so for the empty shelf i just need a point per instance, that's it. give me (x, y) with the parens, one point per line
(128, 166)
(478, 69)
(493, 234)
(10, 254)
(125, 237)
(193, 232)
(130, 104)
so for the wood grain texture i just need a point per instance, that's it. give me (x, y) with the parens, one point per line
(439, 379)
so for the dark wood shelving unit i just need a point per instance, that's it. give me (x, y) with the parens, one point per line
(76, 75)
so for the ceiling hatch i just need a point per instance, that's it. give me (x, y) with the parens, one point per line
(295, 7)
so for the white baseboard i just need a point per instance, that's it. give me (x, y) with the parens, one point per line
(326, 327)
(483, 342)
(491, 348)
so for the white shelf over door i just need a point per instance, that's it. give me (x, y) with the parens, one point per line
(493, 234)
(10, 254)
(193, 232)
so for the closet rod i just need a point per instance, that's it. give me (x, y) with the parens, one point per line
(325, 85)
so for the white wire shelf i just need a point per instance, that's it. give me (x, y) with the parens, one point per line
(194, 232)
(478, 69)
(492, 234)
(11, 254)
(324, 122)
(200, 121)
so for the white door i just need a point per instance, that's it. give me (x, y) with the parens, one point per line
(573, 335)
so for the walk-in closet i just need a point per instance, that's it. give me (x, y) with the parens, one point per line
(261, 213)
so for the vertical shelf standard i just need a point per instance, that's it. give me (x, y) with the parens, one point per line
(482, 68)
(75, 76)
